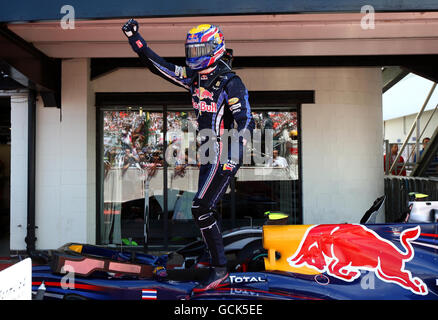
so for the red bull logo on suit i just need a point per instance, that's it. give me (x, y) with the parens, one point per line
(203, 93)
(342, 251)
(204, 107)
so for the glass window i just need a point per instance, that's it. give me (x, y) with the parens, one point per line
(150, 156)
(182, 177)
(133, 172)
(270, 183)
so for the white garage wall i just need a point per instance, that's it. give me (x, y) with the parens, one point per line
(342, 132)
(342, 136)
(65, 162)
(18, 222)
(342, 153)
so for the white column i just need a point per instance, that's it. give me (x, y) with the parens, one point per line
(342, 137)
(19, 145)
(65, 191)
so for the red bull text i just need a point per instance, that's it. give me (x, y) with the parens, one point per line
(204, 107)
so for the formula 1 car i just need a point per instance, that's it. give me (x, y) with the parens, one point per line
(306, 262)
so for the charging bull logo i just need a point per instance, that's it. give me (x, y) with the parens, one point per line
(203, 93)
(343, 250)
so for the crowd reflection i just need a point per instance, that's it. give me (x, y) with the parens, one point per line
(134, 139)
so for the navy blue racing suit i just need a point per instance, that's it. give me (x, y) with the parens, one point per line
(220, 102)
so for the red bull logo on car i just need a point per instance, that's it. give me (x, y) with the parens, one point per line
(343, 250)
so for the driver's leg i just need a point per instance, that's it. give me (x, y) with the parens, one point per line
(207, 220)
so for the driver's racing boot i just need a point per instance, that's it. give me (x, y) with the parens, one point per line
(218, 278)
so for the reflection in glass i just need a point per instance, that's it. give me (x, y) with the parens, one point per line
(273, 184)
(133, 148)
(134, 171)
(183, 174)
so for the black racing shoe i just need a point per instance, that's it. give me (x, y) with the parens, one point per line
(218, 278)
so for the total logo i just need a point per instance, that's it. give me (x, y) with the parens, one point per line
(246, 279)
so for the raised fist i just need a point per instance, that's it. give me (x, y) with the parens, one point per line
(130, 28)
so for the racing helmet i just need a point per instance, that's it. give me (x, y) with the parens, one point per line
(205, 45)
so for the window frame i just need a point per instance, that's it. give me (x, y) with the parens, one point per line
(164, 101)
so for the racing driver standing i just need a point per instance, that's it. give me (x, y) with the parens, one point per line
(220, 102)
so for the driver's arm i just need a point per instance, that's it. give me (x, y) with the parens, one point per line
(178, 75)
(238, 102)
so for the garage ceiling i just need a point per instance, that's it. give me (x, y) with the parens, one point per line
(250, 35)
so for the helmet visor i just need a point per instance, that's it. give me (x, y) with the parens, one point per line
(195, 50)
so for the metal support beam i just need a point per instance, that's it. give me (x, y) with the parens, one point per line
(429, 153)
(31, 156)
(428, 156)
(413, 127)
(396, 66)
(392, 75)
(425, 70)
(30, 68)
